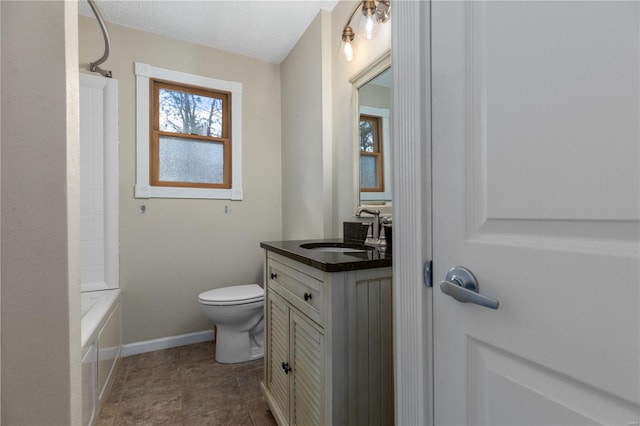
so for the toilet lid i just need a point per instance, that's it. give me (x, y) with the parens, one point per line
(237, 294)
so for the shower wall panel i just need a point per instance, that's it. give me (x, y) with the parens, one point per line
(98, 182)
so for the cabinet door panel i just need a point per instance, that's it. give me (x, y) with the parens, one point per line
(278, 380)
(308, 348)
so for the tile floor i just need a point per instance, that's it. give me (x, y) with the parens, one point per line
(185, 386)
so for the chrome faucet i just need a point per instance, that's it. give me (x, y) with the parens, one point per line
(375, 233)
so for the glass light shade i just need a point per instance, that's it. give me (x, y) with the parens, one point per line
(347, 50)
(368, 27)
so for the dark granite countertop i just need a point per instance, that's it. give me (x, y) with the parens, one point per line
(328, 261)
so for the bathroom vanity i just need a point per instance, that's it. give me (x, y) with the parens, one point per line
(328, 334)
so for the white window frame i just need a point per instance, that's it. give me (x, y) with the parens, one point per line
(143, 108)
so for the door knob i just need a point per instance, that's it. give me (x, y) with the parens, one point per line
(461, 284)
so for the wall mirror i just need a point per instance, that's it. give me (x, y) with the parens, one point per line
(372, 135)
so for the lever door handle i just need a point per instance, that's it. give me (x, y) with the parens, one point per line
(461, 284)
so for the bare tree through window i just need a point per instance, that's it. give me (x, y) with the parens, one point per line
(189, 113)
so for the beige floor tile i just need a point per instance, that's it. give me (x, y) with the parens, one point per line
(152, 409)
(196, 372)
(210, 396)
(235, 415)
(251, 392)
(152, 360)
(260, 413)
(248, 365)
(107, 415)
(196, 352)
(254, 375)
(185, 386)
(159, 380)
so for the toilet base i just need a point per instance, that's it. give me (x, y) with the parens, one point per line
(234, 347)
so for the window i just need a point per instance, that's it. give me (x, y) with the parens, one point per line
(371, 161)
(189, 142)
(190, 145)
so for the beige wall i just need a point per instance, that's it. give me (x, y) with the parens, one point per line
(304, 167)
(317, 126)
(343, 121)
(375, 96)
(181, 247)
(302, 188)
(40, 233)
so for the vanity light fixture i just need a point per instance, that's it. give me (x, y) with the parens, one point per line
(374, 13)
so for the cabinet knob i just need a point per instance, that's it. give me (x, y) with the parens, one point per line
(308, 296)
(285, 367)
(274, 275)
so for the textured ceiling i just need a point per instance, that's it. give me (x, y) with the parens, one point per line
(263, 29)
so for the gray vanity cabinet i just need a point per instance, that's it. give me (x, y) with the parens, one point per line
(328, 344)
(294, 374)
(277, 354)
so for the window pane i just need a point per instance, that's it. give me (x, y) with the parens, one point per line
(188, 113)
(366, 136)
(368, 171)
(187, 160)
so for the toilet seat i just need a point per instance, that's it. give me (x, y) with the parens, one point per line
(233, 295)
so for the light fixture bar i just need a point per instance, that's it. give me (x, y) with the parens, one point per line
(348, 24)
(375, 12)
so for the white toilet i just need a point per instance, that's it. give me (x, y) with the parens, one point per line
(238, 313)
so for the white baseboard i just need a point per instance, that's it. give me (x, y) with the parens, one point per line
(166, 342)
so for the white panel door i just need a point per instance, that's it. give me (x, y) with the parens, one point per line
(536, 172)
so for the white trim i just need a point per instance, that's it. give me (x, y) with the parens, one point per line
(385, 114)
(412, 308)
(166, 342)
(142, 188)
(98, 286)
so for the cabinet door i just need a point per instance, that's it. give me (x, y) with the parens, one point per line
(278, 351)
(307, 402)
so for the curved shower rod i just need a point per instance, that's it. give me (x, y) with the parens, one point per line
(93, 66)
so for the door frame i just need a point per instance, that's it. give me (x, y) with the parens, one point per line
(413, 300)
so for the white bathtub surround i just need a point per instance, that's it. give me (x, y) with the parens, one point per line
(101, 347)
(101, 333)
(99, 182)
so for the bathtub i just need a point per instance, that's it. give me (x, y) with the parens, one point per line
(101, 346)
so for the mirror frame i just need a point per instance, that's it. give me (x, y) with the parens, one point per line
(361, 78)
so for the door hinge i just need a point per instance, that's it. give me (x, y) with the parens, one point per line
(428, 279)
